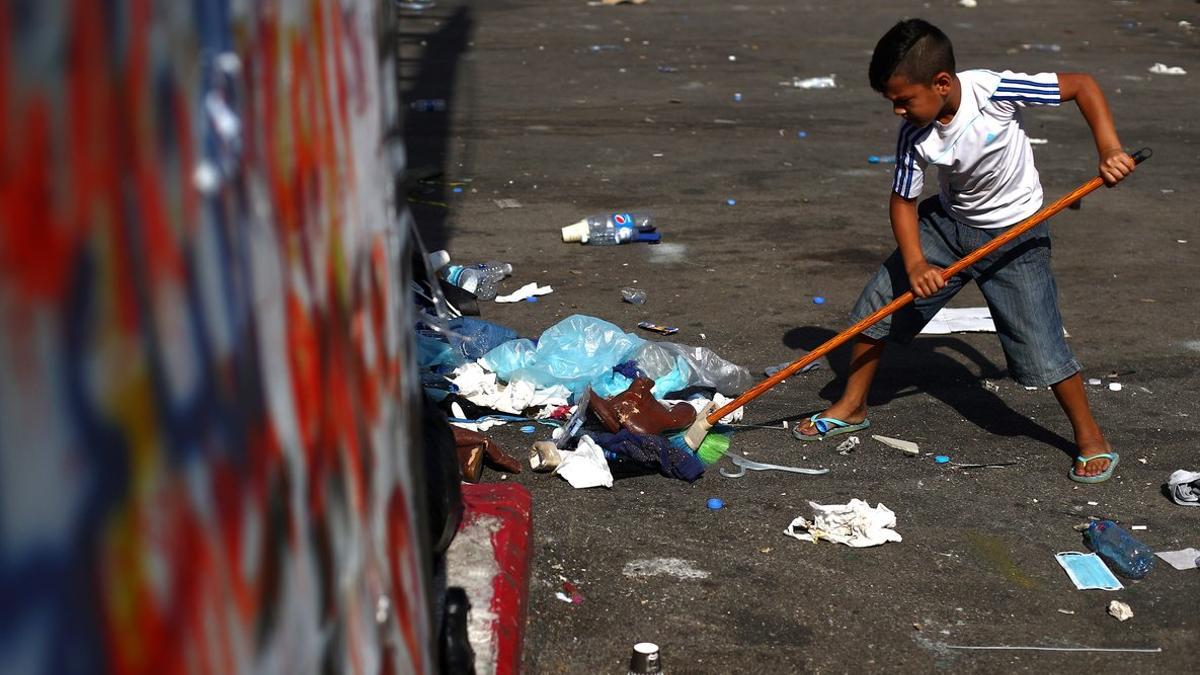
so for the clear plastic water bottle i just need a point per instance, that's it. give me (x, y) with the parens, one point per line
(1130, 557)
(612, 229)
(482, 280)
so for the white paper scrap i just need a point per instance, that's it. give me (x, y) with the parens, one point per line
(854, 524)
(1183, 559)
(960, 320)
(585, 467)
(527, 291)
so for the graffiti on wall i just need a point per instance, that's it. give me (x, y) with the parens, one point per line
(206, 406)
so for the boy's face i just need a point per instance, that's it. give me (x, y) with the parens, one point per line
(920, 104)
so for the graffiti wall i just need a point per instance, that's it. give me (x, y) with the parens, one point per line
(205, 401)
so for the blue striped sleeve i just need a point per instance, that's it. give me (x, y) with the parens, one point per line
(909, 177)
(1024, 89)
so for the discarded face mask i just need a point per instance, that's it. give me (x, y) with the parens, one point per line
(1088, 571)
(854, 524)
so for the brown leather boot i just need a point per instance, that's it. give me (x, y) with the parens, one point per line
(473, 447)
(637, 410)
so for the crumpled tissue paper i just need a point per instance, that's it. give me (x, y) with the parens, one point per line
(854, 524)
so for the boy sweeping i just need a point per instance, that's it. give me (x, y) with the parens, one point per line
(969, 125)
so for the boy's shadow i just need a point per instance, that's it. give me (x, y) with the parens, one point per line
(941, 376)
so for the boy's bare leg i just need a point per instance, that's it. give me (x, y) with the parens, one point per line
(1088, 437)
(852, 406)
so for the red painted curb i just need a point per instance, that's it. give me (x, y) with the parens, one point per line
(512, 505)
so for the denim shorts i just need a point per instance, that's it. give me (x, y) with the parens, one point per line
(1016, 281)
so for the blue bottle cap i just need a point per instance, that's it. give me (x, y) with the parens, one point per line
(532, 298)
(942, 459)
(818, 300)
(731, 201)
(802, 134)
(528, 429)
(458, 189)
(715, 503)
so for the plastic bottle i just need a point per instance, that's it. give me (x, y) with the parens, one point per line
(482, 279)
(634, 296)
(616, 228)
(1127, 555)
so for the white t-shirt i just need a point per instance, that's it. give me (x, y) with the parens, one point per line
(984, 160)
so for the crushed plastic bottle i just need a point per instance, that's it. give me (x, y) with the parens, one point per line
(1130, 557)
(483, 279)
(609, 230)
(634, 296)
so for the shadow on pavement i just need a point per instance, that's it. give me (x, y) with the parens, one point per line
(940, 376)
(427, 91)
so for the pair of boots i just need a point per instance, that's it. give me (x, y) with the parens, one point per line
(637, 410)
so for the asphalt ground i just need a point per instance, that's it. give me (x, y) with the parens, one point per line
(534, 114)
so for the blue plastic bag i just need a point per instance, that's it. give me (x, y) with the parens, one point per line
(576, 352)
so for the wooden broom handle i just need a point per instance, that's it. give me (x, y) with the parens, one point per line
(907, 297)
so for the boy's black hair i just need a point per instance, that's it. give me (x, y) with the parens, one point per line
(914, 48)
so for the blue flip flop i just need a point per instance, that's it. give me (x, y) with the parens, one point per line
(1112, 457)
(828, 426)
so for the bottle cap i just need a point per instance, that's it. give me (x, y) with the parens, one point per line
(650, 237)
(577, 232)
(453, 273)
(438, 260)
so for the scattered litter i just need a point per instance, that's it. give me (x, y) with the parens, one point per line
(634, 296)
(1088, 571)
(942, 459)
(528, 429)
(525, 292)
(881, 159)
(730, 202)
(847, 446)
(1164, 69)
(715, 503)
(960, 320)
(564, 597)
(1065, 611)
(1095, 381)
(1183, 559)
(671, 567)
(907, 447)
(991, 386)
(645, 658)
(605, 48)
(969, 4)
(1041, 47)
(802, 134)
(818, 300)
(572, 593)
(737, 96)
(1137, 527)
(1125, 553)
(1120, 611)
(1039, 141)
(544, 456)
(1142, 460)
(508, 203)
(812, 82)
(668, 69)
(1184, 487)
(657, 328)
(732, 57)
(1093, 503)
(1114, 386)
(854, 524)
(586, 466)
(745, 465)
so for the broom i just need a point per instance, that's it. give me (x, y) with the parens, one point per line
(696, 437)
